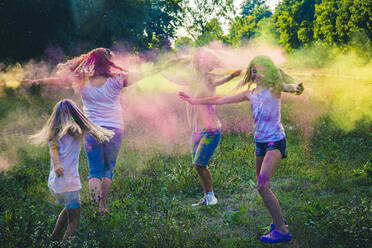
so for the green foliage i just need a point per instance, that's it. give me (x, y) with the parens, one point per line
(248, 6)
(336, 21)
(35, 23)
(247, 27)
(183, 42)
(204, 16)
(212, 31)
(294, 19)
(85, 24)
(322, 186)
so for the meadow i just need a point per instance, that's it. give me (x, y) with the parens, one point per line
(324, 186)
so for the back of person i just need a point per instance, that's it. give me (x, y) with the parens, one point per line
(266, 115)
(68, 150)
(102, 103)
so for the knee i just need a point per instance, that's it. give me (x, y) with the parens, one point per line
(262, 188)
(200, 168)
(263, 184)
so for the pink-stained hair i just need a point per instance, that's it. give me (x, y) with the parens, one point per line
(94, 63)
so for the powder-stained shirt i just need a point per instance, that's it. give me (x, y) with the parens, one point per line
(102, 103)
(68, 151)
(266, 115)
(205, 118)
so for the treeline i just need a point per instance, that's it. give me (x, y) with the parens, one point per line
(28, 27)
(299, 23)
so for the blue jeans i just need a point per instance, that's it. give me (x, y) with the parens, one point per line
(102, 156)
(203, 146)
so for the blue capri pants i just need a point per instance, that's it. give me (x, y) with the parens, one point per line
(102, 156)
(203, 145)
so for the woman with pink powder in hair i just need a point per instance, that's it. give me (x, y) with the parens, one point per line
(269, 135)
(99, 81)
(206, 127)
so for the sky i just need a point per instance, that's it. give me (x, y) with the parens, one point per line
(271, 3)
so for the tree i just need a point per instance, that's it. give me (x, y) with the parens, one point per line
(139, 24)
(337, 21)
(249, 6)
(294, 20)
(27, 27)
(246, 27)
(200, 15)
(212, 31)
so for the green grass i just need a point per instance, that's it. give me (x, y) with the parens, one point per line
(324, 188)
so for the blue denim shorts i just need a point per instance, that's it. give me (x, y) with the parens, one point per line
(71, 200)
(102, 156)
(262, 148)
(203, 146)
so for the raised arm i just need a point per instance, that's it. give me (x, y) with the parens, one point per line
(175, 79)
(228, 78)
(215, 100)
(134, 77)
(48, 80)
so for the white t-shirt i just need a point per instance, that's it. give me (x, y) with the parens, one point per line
(102, 103)
(68, 151)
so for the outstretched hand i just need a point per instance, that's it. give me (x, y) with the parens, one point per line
(299, 89)
(186, 97)
(236, 73)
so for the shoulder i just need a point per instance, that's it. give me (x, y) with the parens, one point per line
(120, 79)
(275, 93)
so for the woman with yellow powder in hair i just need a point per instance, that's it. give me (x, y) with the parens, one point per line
(270, 139)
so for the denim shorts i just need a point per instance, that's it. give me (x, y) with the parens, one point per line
(262, 148)
(71, 200)
(203, 145)
(102, 156)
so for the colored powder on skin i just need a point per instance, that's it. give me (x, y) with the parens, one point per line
(262, 179)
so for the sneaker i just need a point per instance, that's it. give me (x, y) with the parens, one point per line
(272, 227)
(276, 237)
(207, 200)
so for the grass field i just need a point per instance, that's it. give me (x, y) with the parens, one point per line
(324, 188)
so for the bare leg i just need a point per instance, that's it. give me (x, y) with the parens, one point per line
(61, 222)
(95, 187)
(269, 165)
(258, 163)
(205, 178)
(106, 185)
(73, 222)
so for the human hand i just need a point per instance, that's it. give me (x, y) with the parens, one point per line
(58, 169)
(236, 73)
(299, 89)
(186, 97)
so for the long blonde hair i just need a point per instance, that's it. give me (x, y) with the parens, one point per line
(67, 118)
